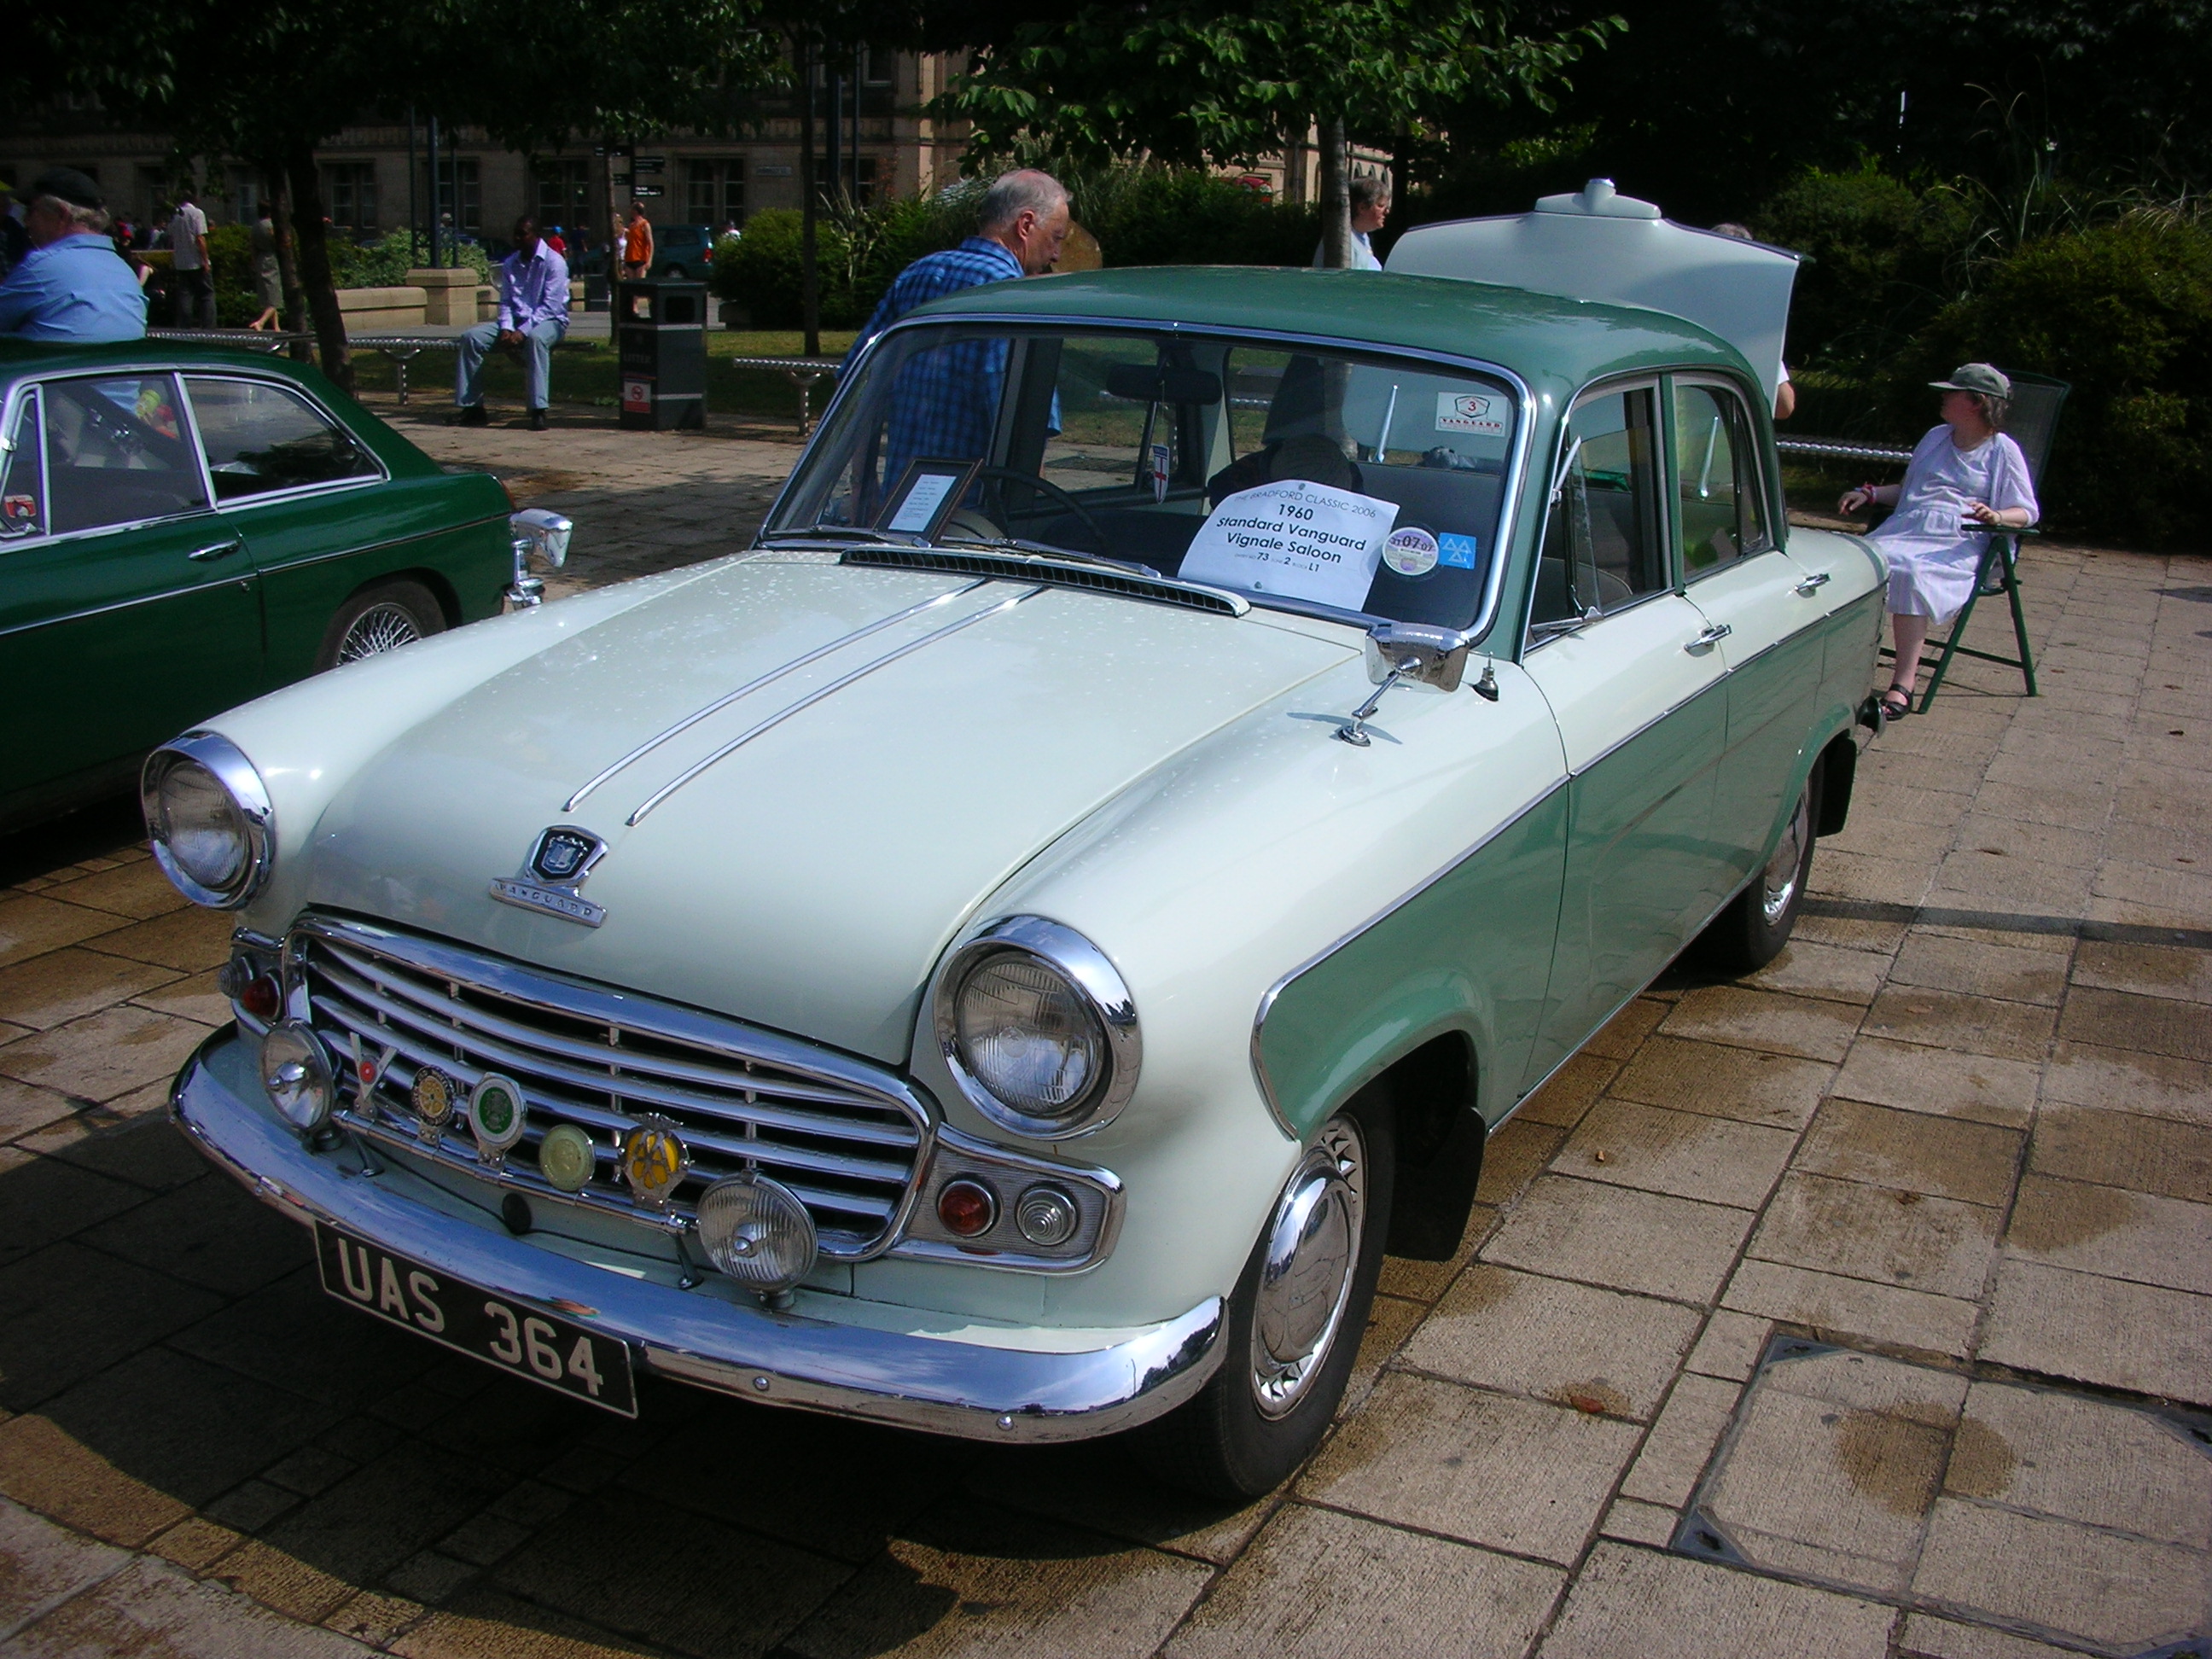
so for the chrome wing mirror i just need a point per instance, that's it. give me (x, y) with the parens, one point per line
(1399, 652)
(541, 540)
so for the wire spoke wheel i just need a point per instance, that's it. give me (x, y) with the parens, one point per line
(383, 626)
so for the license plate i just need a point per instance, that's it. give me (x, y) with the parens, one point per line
(518, 1339)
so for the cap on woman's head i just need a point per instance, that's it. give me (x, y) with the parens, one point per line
(1985, 378)
(68, 184)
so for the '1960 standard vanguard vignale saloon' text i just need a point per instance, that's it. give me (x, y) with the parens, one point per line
(1189, 752)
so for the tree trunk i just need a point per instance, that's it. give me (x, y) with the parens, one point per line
(295, 311)
(810, 271)
(315, 279)
(1335, 197)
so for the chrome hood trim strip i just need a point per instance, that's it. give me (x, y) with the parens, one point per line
(828, 691)
(755, 684)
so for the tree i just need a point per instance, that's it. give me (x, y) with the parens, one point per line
(1215, 82)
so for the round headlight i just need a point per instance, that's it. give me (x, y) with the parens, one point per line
(209, 819)
(296, 1074)
(756, 1230)
(1038, 1029)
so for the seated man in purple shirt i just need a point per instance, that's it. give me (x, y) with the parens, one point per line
(534, 315)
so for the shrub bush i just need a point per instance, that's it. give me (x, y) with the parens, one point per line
(385, 262)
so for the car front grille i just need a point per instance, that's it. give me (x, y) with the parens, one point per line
(846, 1137)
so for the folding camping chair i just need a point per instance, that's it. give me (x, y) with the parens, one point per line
(2032, 420)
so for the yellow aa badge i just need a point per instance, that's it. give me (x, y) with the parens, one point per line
(654, 1160)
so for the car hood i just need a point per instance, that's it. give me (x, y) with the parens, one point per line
(809, 879)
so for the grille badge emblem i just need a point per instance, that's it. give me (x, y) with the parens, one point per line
(432, 1098)
(560, 860)
(497, 1113)
(653, 1161)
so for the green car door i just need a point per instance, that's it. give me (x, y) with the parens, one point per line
(1633, 678)
(128, 608)
(1759, 602)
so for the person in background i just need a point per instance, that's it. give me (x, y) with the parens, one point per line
(555, 240)
(1964, 470)
(534, 315)
(195, 283)
(1785, 395)
(14, 240)
(70, 284)
(1370, 209)
(636, 244)
(268, 276)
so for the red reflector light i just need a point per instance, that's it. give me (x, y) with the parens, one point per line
(967, 1208)
(260, 998)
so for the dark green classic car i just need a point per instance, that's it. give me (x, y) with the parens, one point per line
(184, 528)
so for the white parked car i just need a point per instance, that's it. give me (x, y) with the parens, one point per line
(1006, 954)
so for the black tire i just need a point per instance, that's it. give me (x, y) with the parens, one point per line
(1757, 922)
(1222, 1443)
(379, 619)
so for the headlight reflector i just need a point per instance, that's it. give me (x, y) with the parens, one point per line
(296, 1074)
(209, 818)
(1038, 1029)
(756, 1230)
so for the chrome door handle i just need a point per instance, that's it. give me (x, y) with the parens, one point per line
(215, 550)
(1813, 583)
(1714, 633)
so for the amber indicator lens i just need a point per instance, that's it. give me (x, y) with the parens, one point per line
(967, 1208)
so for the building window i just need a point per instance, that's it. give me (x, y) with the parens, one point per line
(564, 194)
(864, 178)
(349, 197)
(714, 192)
(457, 197)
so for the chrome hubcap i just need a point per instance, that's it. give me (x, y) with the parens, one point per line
(1313, 1246)
(1778, 886)
(383, 626)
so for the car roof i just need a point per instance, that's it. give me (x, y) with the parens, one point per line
(1553, 344)
(22, 357)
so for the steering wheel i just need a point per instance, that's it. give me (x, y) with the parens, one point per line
(1007, 475)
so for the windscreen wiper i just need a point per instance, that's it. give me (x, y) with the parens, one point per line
(1046, 551)
(852, 532)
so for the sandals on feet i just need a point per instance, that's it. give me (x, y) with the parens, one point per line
(1896, 702)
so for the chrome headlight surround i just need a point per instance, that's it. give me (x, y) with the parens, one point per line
(226, 763)
(1097, 987)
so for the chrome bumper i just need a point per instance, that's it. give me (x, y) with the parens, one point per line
(941, 1386)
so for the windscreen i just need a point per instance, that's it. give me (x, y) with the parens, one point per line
(1294, 475)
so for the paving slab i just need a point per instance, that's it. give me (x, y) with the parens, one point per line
(1688, 1154)
(1630, 1600)
(2077, 1457)
(2103, 1331)
(2123, 1149)
(1747, 1084)
(1853, 1309)
(1808, 1027)
(1616, 1236)
(1891, 1237)
(152, 1608)
(1911, 1151)
(2113, 1231)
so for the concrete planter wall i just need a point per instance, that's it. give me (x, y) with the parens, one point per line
(368, 309)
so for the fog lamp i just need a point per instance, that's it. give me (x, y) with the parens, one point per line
(756, 1230)
(1046, 1216)
(967, 1208)
(296, 1074)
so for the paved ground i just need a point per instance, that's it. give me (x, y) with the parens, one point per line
(1862, 1309)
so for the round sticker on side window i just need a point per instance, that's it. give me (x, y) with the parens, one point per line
(1411, 551)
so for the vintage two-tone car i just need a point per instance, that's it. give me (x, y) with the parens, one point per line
(1189, 752)
(183, 527)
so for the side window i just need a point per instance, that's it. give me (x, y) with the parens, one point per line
(23, 473)
(1603, 546)
(1716, 477)
(260, 437)
(118, 451)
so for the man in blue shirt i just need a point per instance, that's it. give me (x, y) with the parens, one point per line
(72, 285)
(945, 401)
(534, 315)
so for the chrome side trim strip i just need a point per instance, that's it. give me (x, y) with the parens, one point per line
(1267, 1002)
(815, 697)
(773, 674)
(936, 1384)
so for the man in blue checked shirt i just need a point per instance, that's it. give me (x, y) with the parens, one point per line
(945, 402)
(534, 315)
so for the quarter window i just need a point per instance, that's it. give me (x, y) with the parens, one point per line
(1717, 478)
(260, 438)
(23, 473)
(1603, 548)
(118, 451)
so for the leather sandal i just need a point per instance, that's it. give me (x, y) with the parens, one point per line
(1899, 708)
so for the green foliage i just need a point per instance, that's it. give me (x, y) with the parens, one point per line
(385, 262)
(2123, 312)
(1157, 216)
(230, 262)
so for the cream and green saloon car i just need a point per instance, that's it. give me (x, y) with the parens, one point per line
(1009, 953)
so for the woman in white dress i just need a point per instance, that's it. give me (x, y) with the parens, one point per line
(1964, 470)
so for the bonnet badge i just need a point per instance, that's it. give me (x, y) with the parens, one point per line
(559, 860)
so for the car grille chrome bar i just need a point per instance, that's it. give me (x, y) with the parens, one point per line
(848, 1138)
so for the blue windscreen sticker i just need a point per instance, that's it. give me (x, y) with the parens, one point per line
(1456, 552)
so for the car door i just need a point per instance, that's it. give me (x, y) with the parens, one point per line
(1637, 688)
(128, 608)
(299, 490)
(1758, 601)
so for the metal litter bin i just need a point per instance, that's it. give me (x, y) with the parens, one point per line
(661, 346)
